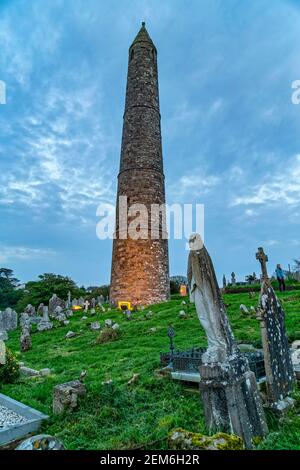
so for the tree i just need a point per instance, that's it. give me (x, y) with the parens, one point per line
(9, 292)
(175, 282)
(97, 291)
(297, 265)
(41, 291)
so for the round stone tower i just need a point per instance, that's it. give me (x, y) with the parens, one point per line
(140, 265)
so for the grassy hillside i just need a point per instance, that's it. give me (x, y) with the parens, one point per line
(125, 417)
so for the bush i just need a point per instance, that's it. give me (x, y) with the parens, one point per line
(10, 371)
(107, 335)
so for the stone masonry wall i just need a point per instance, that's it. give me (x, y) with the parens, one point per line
(140, 268)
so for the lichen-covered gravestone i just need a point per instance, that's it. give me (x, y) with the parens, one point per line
(65, 396)
(55, 302)
(280, 378)
(228, 388)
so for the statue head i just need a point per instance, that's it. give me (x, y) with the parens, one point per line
(195, 242)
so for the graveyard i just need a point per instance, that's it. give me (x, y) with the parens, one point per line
(146, 175)
(116, 415)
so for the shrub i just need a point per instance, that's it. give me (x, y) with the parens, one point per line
(10, 371)
(107, 335)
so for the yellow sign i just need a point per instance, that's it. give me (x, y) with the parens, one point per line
(183, 290)
(124, 306)
(76, 307)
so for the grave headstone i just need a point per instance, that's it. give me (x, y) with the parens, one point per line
(25, 321)
(55, 302)
(25, 340)
(65, 396)
(244, 309)
(45, 323)
(280, 378)
(30, 310)
(128, 314)
(3, 336)
(40, 310)
(8, 320)
(228, 388)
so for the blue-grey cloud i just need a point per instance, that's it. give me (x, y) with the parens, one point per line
(230, 132)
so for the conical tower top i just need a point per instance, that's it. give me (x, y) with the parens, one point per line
(143, 36)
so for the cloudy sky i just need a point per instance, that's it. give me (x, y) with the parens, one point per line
(231, 135)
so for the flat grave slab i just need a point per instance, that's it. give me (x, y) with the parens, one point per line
(17, 420)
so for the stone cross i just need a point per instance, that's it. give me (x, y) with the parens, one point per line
(280, 379)
(263, 259)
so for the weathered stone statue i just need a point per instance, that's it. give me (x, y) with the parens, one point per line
(228, 388)
(206, 295)
(280, 378)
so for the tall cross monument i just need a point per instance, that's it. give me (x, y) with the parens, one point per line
(140, 265)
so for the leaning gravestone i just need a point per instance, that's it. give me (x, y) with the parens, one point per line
(280, 378)
(228, 388)
(69, 301)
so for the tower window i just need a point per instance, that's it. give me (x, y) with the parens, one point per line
(131, 54)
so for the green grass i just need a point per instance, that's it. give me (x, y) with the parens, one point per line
(117, 416)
